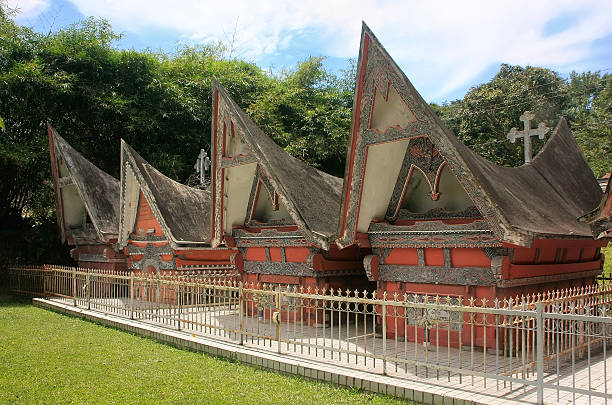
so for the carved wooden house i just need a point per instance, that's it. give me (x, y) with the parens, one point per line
(417, 211)
(440, 219)
(87, 207)
(280, 213)
(165, 225)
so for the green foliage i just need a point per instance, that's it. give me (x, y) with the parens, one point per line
(95, 94)
(607, 251)
(308, 112)
(50, 358)
(488, 112)
(483, 118)
(590, 113)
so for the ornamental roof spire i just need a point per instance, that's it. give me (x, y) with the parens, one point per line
(527, 133)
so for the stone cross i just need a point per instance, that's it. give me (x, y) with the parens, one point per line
(527, 133)
(202, 165)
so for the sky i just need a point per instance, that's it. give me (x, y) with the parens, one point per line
(443, 47)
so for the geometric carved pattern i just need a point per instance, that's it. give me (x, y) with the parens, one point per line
(421, 155)
(432, 234)
(431, 317)
(151, 256)
(437, 275)
(439, 213)
(491, 252)
(279, 268)
(268, 237)
(442, 240)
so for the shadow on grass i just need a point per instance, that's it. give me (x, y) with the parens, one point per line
(13, 300)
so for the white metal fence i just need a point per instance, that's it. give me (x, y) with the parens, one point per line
(548, 347)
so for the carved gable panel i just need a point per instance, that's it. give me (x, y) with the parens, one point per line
(264, 205)
(427, 185)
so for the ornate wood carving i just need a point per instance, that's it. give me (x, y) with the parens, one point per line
(269, 237)
(438, 275)
(439, 213)
(377, 69)
(432, 234)
(151, 256)
(424, 156)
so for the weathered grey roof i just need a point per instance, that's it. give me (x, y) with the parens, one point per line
(98, 190)
(544, 197)
(600, 218)
(183, 211)
(314, 194)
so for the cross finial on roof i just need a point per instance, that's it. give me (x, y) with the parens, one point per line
(527, 133)
(202, 165)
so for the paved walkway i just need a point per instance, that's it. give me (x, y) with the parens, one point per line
(353, 346)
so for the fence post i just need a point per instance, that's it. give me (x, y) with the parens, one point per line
(276, 317)
(179, 290)
(132, 294)
(540, 351)
(241, 310)
(74, 287)
(44, 277)
(384, 332)
(88, 289)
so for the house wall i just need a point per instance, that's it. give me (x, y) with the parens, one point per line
(546, 262)
(99, 256)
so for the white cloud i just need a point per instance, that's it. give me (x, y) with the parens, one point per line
(28, 8)
(440, 45)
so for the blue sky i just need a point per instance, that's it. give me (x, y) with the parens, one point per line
(444, 47)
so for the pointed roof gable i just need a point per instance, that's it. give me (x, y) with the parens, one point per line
(182, 211)
(600, 219)
(311, 196)
(98, 190)
(543, 198)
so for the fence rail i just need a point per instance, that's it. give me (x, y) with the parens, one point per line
(553, 345)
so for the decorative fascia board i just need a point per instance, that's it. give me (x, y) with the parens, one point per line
(438, 275)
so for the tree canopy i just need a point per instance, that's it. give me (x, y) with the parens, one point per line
(95, 93)
(483, 118)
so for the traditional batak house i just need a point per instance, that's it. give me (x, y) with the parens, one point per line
(280, 213)
(165, 225)
(439, 219)
(87, 207)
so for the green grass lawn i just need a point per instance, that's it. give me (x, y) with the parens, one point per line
(50, 358)
(607, 251)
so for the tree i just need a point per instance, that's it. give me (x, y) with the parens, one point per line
(96, 94)
(488, 112)
(590, 115)
(308, 112)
